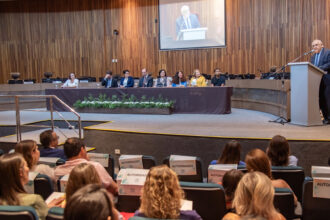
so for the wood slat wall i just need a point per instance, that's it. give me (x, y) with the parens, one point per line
(77, 36)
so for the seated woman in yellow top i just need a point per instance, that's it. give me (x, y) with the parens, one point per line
(197, 79)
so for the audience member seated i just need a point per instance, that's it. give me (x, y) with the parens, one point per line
(89, 203)
(109, 81)
(278, 152)
(231, 154)
(31, 154)
(161, 196)
(14, 174)
(126, 81)
(80, 176)
(72, 82)
(257, 160)
(162, 80)
(146, 80)
(75, 151)
(254, 198)
(197, 79)
(218, 79)
(229, 182)
(49, 142)
(179, 80)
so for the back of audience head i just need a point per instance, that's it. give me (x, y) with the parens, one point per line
(30, 152)
(89, 203)
(257, 160)
(48, 138)
(80, 176)
(162, 194)
(278, 151)
(74, 147)
(230, 181)
(13, 175)
(231, 154)
(254, 196)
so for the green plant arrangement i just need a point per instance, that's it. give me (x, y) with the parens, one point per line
(124, 101)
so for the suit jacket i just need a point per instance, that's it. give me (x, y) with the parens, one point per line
(150, 82)
(181, 24)
(130, 82)
(324, 61)
(114, 83)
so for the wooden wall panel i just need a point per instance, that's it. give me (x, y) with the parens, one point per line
(77, 35)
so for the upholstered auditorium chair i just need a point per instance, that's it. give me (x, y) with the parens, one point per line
(55, 213)
(314, 208)
(208, 199)
(18, 213)
(43, 186)
(293, 175)
(284, 202)
(109, 166)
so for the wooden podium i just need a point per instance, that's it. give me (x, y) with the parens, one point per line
(194, 33)
(305, 84)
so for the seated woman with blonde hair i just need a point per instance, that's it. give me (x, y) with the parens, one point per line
(197, 79)
(14, 174)
(254, 198)
(162, 196)
(29, 150)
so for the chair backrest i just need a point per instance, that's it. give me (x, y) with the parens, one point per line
(148, 162)
(208, 199)
(189, 178)
(43, 186)
(314, 208)
(143, 218)
(1, 152)
(284, 202)
(293, 175)
(55, 213)
(18, 213)
(128, 203)
(110, 166)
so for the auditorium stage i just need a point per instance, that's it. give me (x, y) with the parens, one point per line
(190, 134)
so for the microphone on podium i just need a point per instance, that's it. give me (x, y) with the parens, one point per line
(308, 52)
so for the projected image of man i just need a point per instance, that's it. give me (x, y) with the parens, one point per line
(186, 21)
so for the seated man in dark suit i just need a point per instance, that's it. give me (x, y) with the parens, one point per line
(49, 141)
(146, 80)
(186, 21)
(109, 81)
(321, 59)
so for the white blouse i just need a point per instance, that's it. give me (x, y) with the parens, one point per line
(68, 83)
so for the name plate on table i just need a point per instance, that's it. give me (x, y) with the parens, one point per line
(29, 187)
(64, 182)
(183, 165)
(51, 161)
(130, 161)
(131, 181)
(217, 171)
(321, 182)
(103, 159)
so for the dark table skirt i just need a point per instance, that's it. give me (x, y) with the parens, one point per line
(197, 100)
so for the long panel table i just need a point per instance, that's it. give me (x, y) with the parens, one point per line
(197, 100)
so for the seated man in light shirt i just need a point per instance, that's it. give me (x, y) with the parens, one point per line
(75, 151)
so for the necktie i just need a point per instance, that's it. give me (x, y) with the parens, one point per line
(317, 59)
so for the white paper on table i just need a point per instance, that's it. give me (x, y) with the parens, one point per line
(130, 161)
(183, 165)
(186, 205)
(29, 187)
(217, 171)
(53, 196)
(321, 188)
(103, 159)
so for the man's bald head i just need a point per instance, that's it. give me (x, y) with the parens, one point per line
(317, 45)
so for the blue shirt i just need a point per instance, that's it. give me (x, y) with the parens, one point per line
(52, 152)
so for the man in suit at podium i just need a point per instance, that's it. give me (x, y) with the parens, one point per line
(321, 59)
(186, 21)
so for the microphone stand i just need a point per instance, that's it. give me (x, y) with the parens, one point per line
(281, 119)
